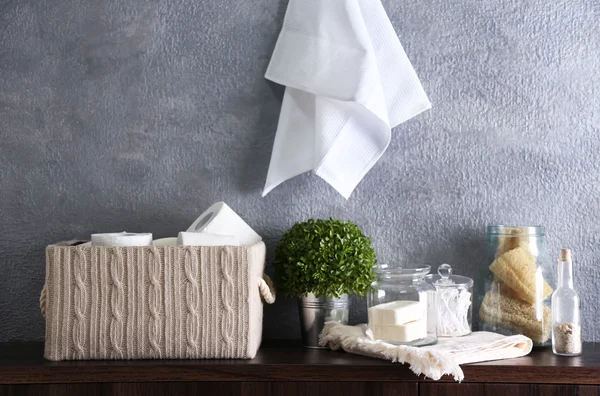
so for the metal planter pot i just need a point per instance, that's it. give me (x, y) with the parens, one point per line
(314, 312)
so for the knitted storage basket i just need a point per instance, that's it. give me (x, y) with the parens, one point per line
(154, 302)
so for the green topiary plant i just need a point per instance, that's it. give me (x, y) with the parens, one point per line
(325, 257)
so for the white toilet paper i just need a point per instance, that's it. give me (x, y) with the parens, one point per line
(206, 239)
(220, 219)
(122, 239)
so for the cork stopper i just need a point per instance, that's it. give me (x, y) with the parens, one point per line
(565, 255)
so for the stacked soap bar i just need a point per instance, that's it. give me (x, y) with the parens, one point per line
(398, 321)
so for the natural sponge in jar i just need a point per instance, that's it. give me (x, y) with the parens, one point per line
(516, 268)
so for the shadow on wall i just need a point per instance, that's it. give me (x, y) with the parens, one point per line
(256, 163)
(281, 319)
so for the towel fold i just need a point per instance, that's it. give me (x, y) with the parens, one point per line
(348, 82)
(433, 361)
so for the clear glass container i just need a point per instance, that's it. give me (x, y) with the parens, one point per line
(400, 308)
(454, 301)
(516, 284)
(566, 323)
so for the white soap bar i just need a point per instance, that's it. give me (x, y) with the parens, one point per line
(400, 333)
(396, 312)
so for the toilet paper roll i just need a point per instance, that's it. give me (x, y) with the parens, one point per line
(171, 241)
(220, 219)
(122, 239)
(205, 239)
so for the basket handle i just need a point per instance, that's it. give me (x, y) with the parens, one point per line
(267, 289)
(43, 300)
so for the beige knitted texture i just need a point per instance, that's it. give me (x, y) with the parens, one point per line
(153, 302)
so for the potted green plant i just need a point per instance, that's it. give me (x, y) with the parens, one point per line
(320, 262)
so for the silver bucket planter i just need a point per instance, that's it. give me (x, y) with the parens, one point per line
(314, 312)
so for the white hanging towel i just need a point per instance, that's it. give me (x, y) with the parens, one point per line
(348, 82)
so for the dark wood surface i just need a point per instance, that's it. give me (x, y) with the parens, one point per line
(433, 389)
(24, 364)
(218, 388)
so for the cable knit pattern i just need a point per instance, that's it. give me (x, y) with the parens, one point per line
(227, 293)
(124, 302)
(43, 299)
(192, 301)
(117, 303)
(79, 304)
(154, 302)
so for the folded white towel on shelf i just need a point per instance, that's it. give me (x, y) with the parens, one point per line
(433, 361)
(348, 82)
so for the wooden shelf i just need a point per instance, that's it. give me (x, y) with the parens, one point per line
(23, 363)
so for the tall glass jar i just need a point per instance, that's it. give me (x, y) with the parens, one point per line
(517, 284)
(400, 307)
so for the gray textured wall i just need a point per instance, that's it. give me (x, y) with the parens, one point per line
(137, 115)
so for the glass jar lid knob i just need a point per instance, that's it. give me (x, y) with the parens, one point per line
(445, 272)
(445, 278)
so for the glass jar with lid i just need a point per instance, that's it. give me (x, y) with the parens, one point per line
(401, 309)
(454, 301)
(516, 280)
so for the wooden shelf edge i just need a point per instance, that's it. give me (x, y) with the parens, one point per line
(25, 365)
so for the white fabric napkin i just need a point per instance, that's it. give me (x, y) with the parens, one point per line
(433, 361)
(348, 82)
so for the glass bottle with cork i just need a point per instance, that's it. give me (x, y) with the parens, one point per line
(566, 325)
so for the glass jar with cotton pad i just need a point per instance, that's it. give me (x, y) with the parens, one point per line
(454, 301)
(400, 308)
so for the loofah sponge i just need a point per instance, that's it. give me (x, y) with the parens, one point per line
(516, 268)
(516, 315)
(512, 238)
(500, 287)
